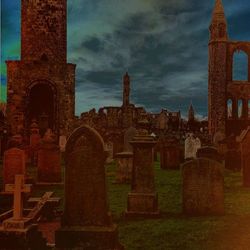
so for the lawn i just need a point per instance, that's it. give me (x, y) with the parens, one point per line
(173, 230)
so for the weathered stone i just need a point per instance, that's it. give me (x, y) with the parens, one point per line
(170, 153)
(244, 140)
(109, 149)
(129, 134)
(41, 84)
(124, 162)
(203, 187)
(143, 200)
(191, 146)
(225, 92)
(209, 152)
(86, 220)
(49, 161)
(13, 164)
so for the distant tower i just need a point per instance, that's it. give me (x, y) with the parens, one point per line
(217, 71)
(191, 113)
(126, 89)
(41, 85)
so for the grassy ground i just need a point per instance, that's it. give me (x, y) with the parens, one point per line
(173, 230)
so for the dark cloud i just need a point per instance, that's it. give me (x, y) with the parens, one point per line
(163, 44)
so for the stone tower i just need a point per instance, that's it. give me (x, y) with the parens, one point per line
(217, 70)
(41, 85)
(126, 89)
(191, 113)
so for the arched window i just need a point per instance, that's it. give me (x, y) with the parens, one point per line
(240, 108)
(240, 66)
(229, 109)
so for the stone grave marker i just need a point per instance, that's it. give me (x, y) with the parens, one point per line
(170, 154)
(143, 199)
(19, 188)
(203, 187)
(209, 152)
(124, 162)
(62, 143)
(109, 148)
(86, 220)
(13, 164)
(49, 161)
(191, 146)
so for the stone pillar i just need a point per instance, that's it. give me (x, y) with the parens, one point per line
(143, 199)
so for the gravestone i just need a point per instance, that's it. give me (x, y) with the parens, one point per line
(49, 161)
(191, 146)
(244, 140)
(124, 161)
(129, 134)
(109, 149)
(143, 199)
(62, 143)
(13, 164)
(233, 154)
(35, 137)
(209, 152)
(86, 222)
(17, 221)
(170, 155)
(203, 187)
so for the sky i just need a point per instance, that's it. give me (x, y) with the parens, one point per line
(163, 44)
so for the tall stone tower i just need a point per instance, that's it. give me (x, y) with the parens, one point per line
(126, 89)
(191, 113)
(217, 71)
(41, 85)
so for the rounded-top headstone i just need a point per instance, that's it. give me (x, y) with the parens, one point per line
(85, 186)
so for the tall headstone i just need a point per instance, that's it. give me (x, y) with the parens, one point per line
(49, 160)
(143, 199)
(13, 164)
(170, 155)
(203, 187)
(86, 223)
(244, 140)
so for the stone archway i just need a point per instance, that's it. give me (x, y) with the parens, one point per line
(41, 104)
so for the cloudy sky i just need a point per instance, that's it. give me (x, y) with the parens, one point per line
(162, 43)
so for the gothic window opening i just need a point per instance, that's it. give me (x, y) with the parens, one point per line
(240, 66)
(229, 109)
(41, 106)
(240, 108)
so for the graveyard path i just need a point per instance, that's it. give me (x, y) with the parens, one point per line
(235, 235)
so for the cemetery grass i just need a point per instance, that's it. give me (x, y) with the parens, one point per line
(174, 230)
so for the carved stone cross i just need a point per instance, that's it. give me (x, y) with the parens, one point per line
(19, 188)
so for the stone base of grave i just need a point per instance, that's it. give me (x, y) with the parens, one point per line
(88, 238)
(124, 167)
(22, 239)
(142, 205)
(14, 225)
